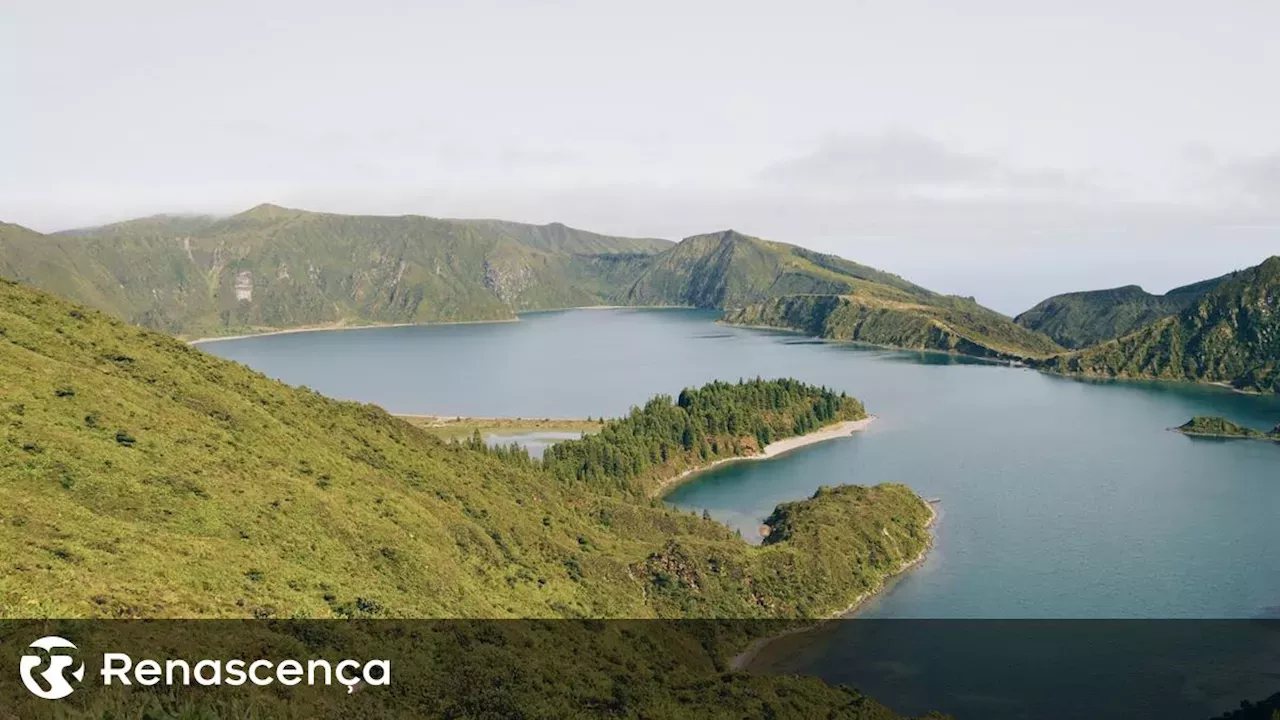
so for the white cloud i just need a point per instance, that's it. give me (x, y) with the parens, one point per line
(900, 162)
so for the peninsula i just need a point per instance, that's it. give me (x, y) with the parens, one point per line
(668, 439)
(1219, 427)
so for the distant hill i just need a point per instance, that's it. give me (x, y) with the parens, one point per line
(1081, 319)
(273, 267)
(943, 323)
(760, 282)
(728, 269)
(1229, 335)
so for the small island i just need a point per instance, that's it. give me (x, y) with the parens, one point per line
(1220, 427)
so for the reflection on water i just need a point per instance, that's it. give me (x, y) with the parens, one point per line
(535, 442)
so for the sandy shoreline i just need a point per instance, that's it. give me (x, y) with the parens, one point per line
(772, 450)
(340, 328)
(742, 661)
(337, 327)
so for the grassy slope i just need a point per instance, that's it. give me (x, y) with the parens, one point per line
(876, 316)
(1229, 335)
(142, 477)
(729, 269)
(178, 273)
(1083, 319)
(773, 284)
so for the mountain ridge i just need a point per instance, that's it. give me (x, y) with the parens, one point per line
(271, 267)
(1081, 319)
(1229, 335)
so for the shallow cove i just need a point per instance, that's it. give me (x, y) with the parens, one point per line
(1061, 498)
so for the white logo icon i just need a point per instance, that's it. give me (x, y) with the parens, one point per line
(55, 676)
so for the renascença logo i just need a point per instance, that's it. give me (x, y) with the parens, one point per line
(55, 676)
(121, 668)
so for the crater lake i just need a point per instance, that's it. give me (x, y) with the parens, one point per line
(1059, 498)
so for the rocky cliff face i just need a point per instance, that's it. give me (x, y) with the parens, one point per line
(507, 282)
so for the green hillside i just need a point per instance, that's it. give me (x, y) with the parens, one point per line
(143, 478)
(728, 269)
(273, 267)
(140, 477)
(1083, 319)
(764, 283)
(1229, 335)
(878, 316)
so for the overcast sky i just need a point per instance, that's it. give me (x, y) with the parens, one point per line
(1003, 149)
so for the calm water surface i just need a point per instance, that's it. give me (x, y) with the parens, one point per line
(1059, 498)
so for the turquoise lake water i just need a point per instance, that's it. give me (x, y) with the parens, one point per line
(1060, 498)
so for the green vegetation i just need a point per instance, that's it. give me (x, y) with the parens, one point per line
(1230, 335)
(273, 267)
(729, 269)
(143, 478)
(881, 316)
(1214, 426)
(277, 268)
(455, 669)
(1083, 319)
(772, 284)
(140, 477)
(636, 454)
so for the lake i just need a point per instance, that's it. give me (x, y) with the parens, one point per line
(1060, 498)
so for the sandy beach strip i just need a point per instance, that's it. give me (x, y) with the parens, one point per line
(340, 328)
(336, 327)
(772, 450)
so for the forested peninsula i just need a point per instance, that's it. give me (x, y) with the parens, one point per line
(641, 454)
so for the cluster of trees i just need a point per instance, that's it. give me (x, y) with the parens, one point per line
(718, 420)
(511, 453)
